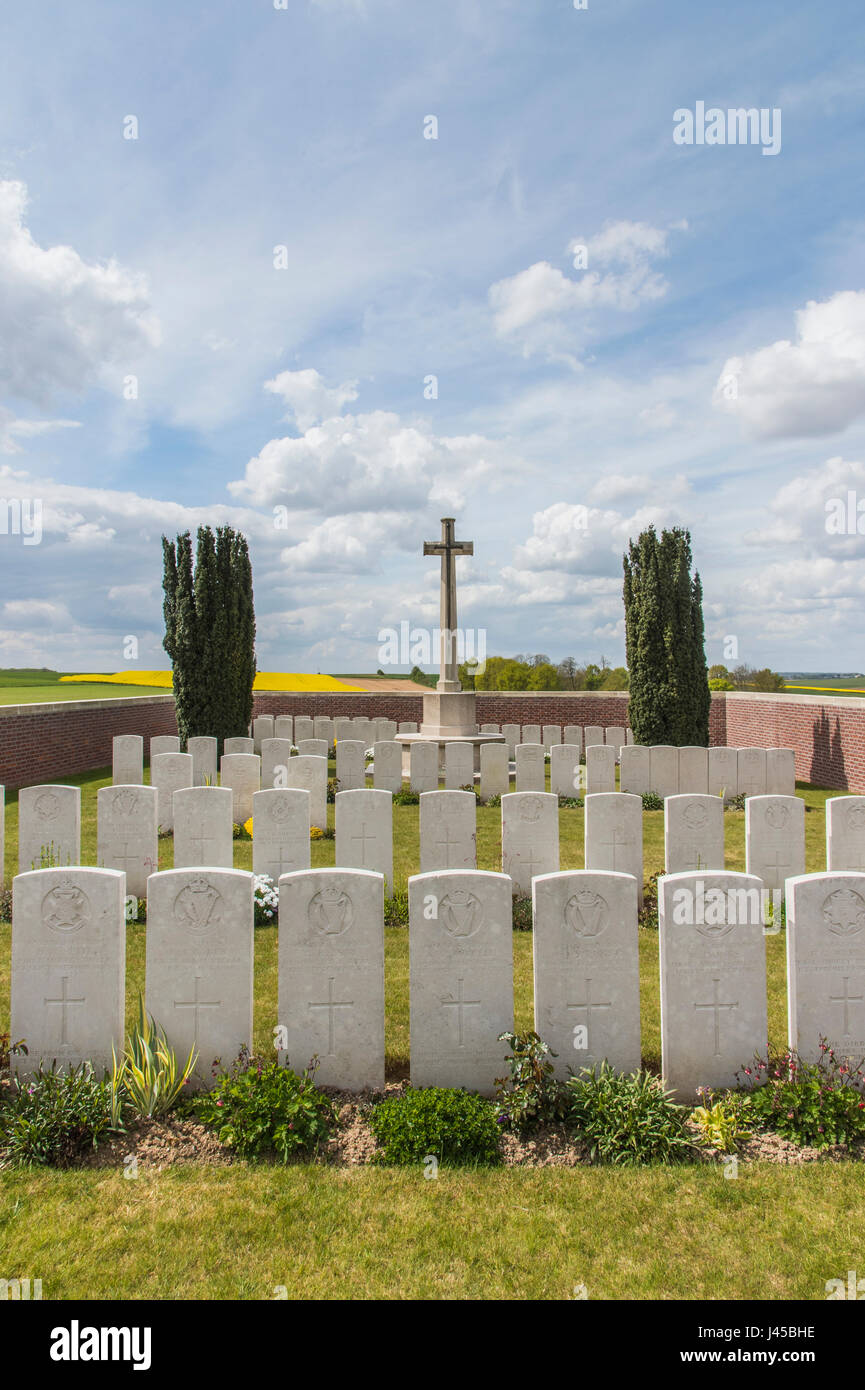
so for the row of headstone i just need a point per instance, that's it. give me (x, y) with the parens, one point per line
(728, 772)
(68, 970)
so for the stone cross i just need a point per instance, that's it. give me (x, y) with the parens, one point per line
(448, 549)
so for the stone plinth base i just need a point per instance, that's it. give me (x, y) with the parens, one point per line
(443, 739)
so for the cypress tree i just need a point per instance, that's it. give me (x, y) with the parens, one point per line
(210, 632)
(669, 691)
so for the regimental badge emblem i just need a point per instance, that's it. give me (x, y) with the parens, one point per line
(123, 803)
(66, 908)
(587, 913)
(47, 806)
(778, 815)
(856, 819)
(198, 906)
(844, 912)
(331, 912)
(461, 914)
(530, 809)
(280, 810)
(695, 815)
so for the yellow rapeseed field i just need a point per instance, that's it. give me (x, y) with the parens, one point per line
(265, 680)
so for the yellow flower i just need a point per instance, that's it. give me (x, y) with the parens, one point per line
(315, 833)
(265, 680)
(247, 825)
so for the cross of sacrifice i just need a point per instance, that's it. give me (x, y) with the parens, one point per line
(448, 549)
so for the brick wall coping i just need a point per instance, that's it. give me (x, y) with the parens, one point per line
(58, 706)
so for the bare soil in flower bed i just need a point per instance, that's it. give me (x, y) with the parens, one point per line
(157, 1144)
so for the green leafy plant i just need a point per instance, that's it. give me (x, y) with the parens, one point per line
(720, 1120)
(265, 1108)
(240, 832)
(530, 1095)
(814, 1103)
(332, 789)
(450, 1125)
(396, 909)
(475, 791)
(147, 1078)
(9, 1049)
(571, 803)
(494, 800)
(50, 1117)
(406, 797)
(648, 914)
(652, 802)
(521, 914)
(736, 803)
(627, 1120)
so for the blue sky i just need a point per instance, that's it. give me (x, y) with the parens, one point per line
(576, 402)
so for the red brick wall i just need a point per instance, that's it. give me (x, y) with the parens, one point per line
(44, 743)
(48, 742)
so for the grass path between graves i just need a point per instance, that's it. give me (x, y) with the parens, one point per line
(251, 1232)
(248, 1232)
(406, 859)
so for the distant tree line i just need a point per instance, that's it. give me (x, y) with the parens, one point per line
(744, 678)
(538, 672)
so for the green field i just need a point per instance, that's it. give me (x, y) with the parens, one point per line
(34, 686)
(245, 1231)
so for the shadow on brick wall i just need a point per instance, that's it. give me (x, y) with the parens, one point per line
(827, 754)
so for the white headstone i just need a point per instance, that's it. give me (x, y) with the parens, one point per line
(312, 748)
(551, 735)
(723, 773)
(530, 837)
(530, 767)
(350, 764)
(263, 726)
(408, 727)
(424, 767)
(343, 728)
(693, 833)
(845, 834)
(331, 975)
(235, 746)
(68, 967)
(459, 766)
(664, 769)
(386, 730)
(780, 772)
(593, 734)
(752, 771)
(310, 774)
(283, 727)
(387, 770)
(826, 965)
(775, 838)
(242, 773)
(199, 963)
(587, 969)
(169, 772)
(304, 727)
(694, 769)
(567, 775)
(600, 768)
(488, 728)
(364, 832)
(531, 733)
(49, 827)
(495, 775)
(635, 769)
(461, 977)
(275, 753)
(323, 729)
(448, 831)
(574, 734)
(203, 831)
(512, 737)
(614, 834)
(127, 761)
(713, 979)
(164, 743)
(615, 737)
(280, 831)
(127, 833)
(202, 750)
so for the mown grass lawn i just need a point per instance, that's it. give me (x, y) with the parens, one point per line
(249, 1230)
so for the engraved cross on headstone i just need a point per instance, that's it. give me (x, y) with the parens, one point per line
(717, 1008)
(590, 1003)
(448, 549)
(846, 999)
(64, 1001)
(363, 837)
(330, 1004)
(196, 1005)
(460, 1004)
